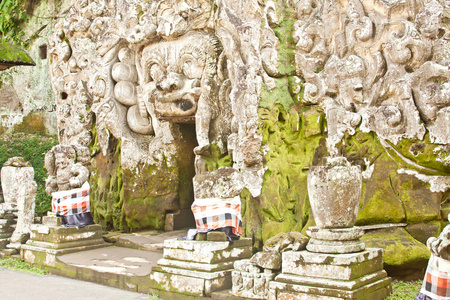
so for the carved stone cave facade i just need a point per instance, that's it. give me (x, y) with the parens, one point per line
(163, 90)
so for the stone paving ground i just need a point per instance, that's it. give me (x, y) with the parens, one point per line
(131, 256)
(16, 285)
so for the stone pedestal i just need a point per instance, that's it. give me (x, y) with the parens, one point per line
(307, 275)
(335, 240)
(251, 283)
(198, 267)
(8, 220)
(48, 241)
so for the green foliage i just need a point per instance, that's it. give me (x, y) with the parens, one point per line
(32, 148)
(20, 265)
(13, 13)
(405, 289)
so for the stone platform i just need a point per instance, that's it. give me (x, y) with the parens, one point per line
(47, 242)
(198, 268)
(125, 265)
(310, 276)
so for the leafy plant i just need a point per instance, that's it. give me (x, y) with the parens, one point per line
(402, 290)
(20, 265)
(32, 147)
(13, 13)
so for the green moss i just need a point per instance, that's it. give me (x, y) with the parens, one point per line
(425, 154)
(215, 159)
(20, 265)
(149, 191)
(106, 182)
(13, 55)
(379, 201)
(402, 290)
(284, 32)
(32, 123)
(400, 248)
(13, 14)
(293, 140)
(32, 147)
(279, 95)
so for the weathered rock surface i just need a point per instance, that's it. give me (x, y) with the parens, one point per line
(163, 92)
(286, 241)
(19, 190)
(404, 257)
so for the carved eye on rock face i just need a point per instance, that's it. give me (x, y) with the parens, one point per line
(157, 72)
(192, 69)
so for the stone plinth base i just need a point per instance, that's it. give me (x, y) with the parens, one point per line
(198, 268)
(252, 285)
(310, 276)
(46, 242)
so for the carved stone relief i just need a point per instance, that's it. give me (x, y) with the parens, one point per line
(139, 70)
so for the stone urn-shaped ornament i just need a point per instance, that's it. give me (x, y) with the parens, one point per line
(334, 193)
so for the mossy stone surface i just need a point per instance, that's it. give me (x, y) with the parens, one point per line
(420, 203)
(32, 123)
(379, 201)
(12, 55)
(401, 252)
(423, 231)
(107, 188)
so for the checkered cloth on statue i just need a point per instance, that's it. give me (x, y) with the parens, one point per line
(436, 284)
(71, 202)
(215, 213)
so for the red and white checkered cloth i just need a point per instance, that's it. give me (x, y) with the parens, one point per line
(71, 202)
(436, 283)
(214, 213)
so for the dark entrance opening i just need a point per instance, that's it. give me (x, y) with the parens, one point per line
(186, 142)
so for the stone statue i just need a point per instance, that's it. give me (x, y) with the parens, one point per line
(67, 181)
(19, 189)
(178, 81)
(65, 167)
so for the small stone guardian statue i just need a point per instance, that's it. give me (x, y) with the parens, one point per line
(68, 185)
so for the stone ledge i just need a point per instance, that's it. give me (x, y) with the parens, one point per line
(332, 266)
(348, 285)
(65, 245)
(189, 285)
(65, 250)
(201, 245)
(196, 266)
(377, 290)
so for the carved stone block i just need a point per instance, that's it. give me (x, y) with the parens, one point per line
(307, 275)
(198, 267)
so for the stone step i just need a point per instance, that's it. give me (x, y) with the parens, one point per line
(118, 267)
(146, 241)
(225, 295)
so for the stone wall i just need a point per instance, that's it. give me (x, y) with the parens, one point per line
(161, 91)
(27, 102)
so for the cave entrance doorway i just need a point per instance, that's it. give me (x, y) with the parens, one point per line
(186, 142)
